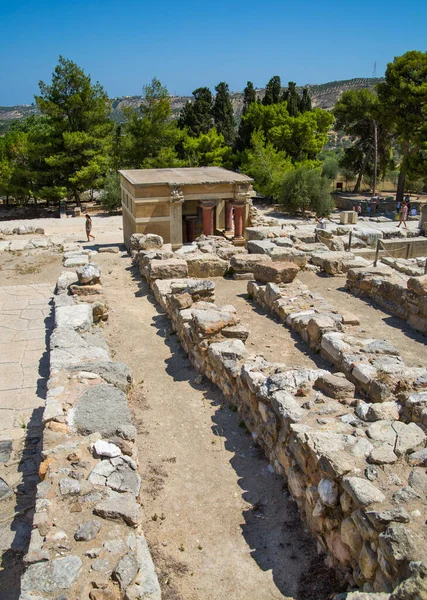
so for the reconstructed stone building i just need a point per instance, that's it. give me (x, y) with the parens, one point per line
(180, 204)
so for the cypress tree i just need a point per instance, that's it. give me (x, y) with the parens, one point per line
(293, 99)
(196, 116)
(249, 96)
(223, 113)
(305, 101)
(243, 139)
(272, 91)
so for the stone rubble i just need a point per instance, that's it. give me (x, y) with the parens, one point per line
(315, 429)
(403, 297)
(87, 536)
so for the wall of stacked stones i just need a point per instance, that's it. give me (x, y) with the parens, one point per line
(405, 299)
(357, 481)
(87, 540)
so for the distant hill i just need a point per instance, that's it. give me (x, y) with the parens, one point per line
(323, 95)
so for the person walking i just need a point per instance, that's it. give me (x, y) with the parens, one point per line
(88, 226)
(403, 215)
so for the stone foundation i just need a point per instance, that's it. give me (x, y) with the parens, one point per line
(87, 541)
(365, 507)
(406, 299)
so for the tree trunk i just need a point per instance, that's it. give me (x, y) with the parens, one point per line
(402, 174)
(374, 182)
(362, 170)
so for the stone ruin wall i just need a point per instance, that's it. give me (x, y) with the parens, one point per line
(405, 299)
(355, 468)
(87, 540)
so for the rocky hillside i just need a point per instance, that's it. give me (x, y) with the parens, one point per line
(323, 95)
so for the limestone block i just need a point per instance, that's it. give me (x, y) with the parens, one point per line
(205, 265)
(261, 247)
(89, 274)
(362, 491)
(86, 290)
(246, 263)
(209, 322)
(288, 255)
(77, 317)
(277, 272)
(65, 279)
(167, 269)
(140, 241)
(335, 386)
(76, 261)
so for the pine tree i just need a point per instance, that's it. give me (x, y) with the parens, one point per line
(79, 129)
(272, 91)
(196, 116)
(223, 113)
(243, 138)
(305, 101)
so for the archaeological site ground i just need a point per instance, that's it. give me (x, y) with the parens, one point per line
(203, 419)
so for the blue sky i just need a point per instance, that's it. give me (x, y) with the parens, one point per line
(188, 44)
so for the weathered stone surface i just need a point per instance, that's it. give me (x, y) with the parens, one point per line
(86, 290)
(5, 450)
(167, 269)
(418, 285)
(115, 373)
(292, 255)
(87, 531)
(120, 506)
(260, 247)
(147, 586)
(126, 570)
(76, 261)
(246, 263)
(52, 576)
(236, 331)
(328, 492)
(103, 448)
(383, 455)
(5, 491)
(140, 241)
(335, 387)
(124, 479)
(363, 492)
(276, 272)
(78, 317)
(205, 265)
(209, 322)
(69, 487)
(89, 274)
(102, 408)
(65, 279)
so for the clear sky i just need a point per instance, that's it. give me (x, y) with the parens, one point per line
(187, 43)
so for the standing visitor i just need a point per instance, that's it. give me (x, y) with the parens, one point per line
(88, 225)
(403, 215)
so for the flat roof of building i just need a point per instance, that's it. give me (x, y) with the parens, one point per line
(183, 176)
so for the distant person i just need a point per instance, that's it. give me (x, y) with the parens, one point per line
(88, 226)
(368, 209)
(398, 206)
(321, 223)
(377, 204)
(403, 215)
(354, 208)
(359, 209)
(413, 212)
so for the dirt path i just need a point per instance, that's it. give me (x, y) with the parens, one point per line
(374, 320)
(268, 336)
(220, 524)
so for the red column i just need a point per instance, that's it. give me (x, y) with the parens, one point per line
(228, 216)
(208, 224)
(238, 220)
